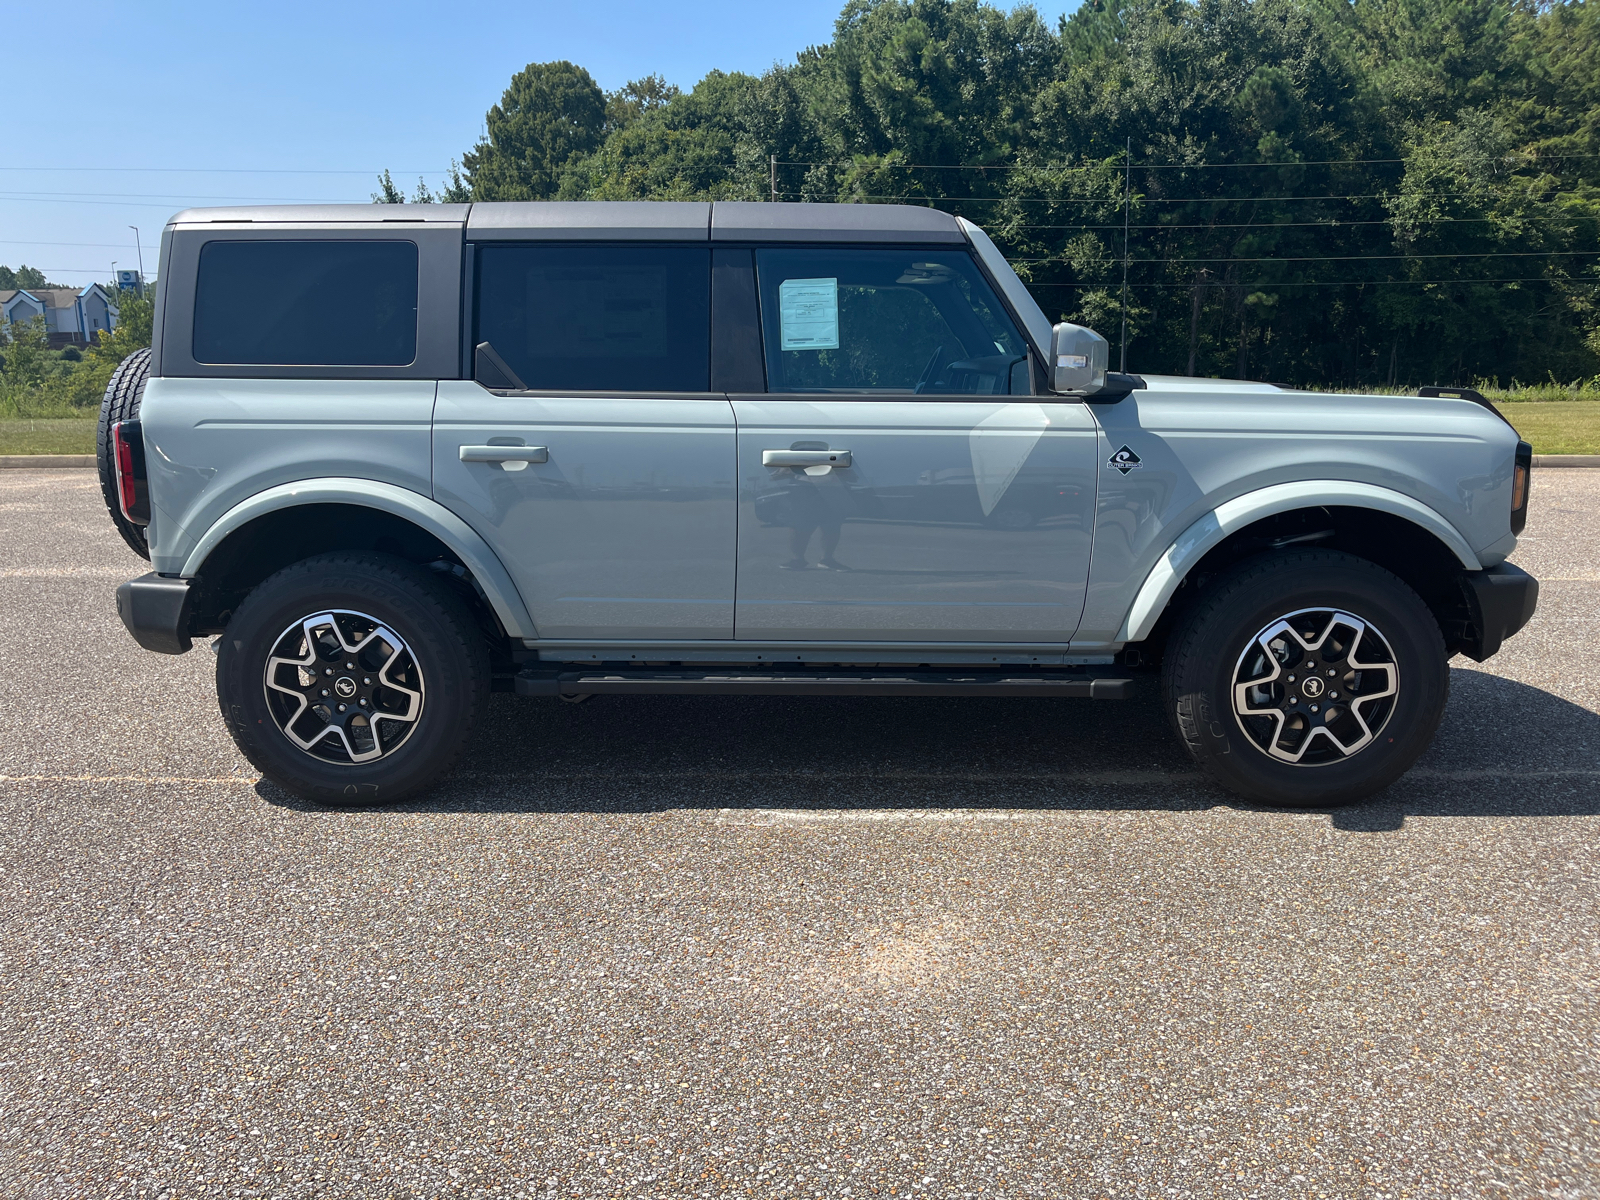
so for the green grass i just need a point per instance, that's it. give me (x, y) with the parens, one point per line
(1557, 427)
(48, 435)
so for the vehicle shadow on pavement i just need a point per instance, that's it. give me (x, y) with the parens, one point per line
(1504, 749)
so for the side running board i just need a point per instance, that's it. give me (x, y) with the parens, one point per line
(1082, 685)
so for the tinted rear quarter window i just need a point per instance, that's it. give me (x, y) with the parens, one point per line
(598, 318)
(306, 303)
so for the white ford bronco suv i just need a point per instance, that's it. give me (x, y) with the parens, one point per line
(397, 457)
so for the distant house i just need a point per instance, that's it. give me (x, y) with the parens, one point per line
(70, 318)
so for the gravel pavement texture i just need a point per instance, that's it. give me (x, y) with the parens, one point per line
(659, 947)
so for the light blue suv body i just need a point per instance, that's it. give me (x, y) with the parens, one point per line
(675, 434)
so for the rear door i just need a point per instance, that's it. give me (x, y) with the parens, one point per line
(898, 481)
(606, 483)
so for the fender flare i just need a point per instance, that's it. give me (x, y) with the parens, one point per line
(1194, 542)
(411, 506)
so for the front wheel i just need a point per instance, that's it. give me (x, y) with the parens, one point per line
(1308, 679)
(352, 677)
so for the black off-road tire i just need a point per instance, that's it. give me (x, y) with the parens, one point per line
(123, 396)
(1205, 658)
(433, 622)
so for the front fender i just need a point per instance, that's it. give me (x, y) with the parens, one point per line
(421, 511)
(1195, 541)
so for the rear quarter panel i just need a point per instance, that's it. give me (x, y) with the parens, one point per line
(1202, 444)
(212, 443)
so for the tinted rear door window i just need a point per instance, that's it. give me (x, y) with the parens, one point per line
(598, 318)
(306, 303)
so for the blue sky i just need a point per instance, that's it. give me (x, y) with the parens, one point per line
(138, 110)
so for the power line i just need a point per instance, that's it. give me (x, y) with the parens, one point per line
(1337, 257)
(1334, 223)
(30, 193)
(1282, 286)
(230, 170)
(1111, 165)
(168, 206)
(1144, 199)
(89, 245)
(1155, 166)
(72, 270)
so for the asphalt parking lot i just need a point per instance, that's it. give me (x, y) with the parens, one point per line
(653, 947)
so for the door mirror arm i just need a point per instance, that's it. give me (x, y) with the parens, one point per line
(489, 369)
(1118, 387)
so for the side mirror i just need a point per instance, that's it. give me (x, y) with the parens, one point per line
(1078, 360)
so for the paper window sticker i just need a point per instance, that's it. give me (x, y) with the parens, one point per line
(808, 314)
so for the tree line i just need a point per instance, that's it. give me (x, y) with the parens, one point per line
(24, 278)
(1324, 192)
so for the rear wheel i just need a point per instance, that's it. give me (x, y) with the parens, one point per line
(121, 403)
(1307, 679)
(352, 677)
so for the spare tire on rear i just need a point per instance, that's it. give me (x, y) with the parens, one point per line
(121, 403)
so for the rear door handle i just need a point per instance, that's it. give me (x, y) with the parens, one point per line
(501, 454)
(805, 458)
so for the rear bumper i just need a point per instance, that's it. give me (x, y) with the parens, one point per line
(155, 608)
(1500, 601)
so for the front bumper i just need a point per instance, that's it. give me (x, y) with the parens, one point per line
(156, 610)
(1500, 601)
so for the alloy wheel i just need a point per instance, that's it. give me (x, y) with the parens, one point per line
(343, 687)
(1315, 687)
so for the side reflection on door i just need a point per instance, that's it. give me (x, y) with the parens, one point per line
(954, 520)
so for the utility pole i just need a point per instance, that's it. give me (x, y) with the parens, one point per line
(1127, 192)
(140, 249)
(772, 169)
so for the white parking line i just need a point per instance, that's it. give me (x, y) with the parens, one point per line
(231, 780)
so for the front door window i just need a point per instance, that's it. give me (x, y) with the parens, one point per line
(885, 322)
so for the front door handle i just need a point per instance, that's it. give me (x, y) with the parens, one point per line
(805, 458)
(503, 454)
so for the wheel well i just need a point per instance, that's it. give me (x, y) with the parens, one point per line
(1414, 554)
(276, 539)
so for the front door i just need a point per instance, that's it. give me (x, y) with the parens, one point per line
(897, 482)
(606, 483)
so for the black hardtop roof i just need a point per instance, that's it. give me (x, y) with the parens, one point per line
(619, 220)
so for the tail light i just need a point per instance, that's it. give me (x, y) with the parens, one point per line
(1521, 478)
(133, 488)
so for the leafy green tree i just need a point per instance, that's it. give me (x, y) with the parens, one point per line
(636, 98)
(28, 357)
(686, 148)
(551, 113)
(24, 277)
(454, 191)
(387, 192)
(1316, 191)
(135, 323)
